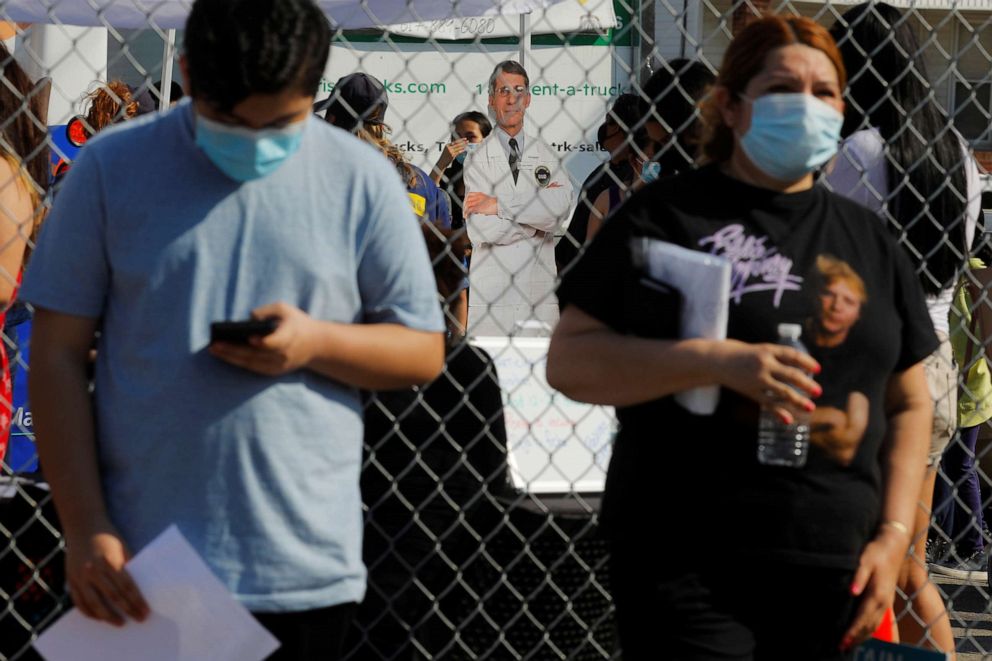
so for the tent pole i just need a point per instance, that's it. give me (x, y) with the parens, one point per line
(524, 38)
(165, 93)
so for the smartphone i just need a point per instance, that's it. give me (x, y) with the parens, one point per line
(238, 332)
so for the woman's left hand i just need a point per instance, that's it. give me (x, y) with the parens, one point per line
(875, 583)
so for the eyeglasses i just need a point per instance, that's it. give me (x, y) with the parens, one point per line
(519, 90)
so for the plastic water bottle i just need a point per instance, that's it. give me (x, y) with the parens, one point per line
(780, 444)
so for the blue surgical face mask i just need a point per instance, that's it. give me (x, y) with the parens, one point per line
(244, 154)
(791, 134)
(470, 147)
(650, 171)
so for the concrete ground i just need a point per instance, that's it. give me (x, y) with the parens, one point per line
(971, 618)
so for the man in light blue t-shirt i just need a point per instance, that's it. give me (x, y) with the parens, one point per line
(225, 209)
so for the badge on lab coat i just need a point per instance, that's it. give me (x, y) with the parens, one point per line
(543, 175)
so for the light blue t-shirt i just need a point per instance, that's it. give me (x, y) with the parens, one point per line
(260, 473)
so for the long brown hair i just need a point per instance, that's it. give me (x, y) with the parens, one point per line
(745, 59)
(108, 104)
(377, 135)
(24, 135)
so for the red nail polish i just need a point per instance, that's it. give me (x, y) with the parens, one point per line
(817, 369)
(855, 589)
(809, 406)
(817, 391)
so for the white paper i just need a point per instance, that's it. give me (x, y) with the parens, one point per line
(193, 617)
(554, 444)
(704, 281)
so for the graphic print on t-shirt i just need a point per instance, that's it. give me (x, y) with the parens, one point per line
(756, 266)
(841, 297)
(841, 293)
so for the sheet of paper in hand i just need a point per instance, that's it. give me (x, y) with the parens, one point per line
(704, 281)
(193, 617)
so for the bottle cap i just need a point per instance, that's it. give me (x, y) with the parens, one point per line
(790, 331)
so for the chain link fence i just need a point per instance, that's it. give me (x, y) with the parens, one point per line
(481, 490)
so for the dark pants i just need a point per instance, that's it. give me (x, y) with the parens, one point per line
(315, 635)
(730, 610)
(960, 518)
(413, 577)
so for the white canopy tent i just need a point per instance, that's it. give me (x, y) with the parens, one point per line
(171, 14)
(441, 19)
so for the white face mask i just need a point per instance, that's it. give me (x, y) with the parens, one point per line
(791, 134)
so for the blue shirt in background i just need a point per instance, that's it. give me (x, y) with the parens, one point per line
(427, 200)
(260, 473)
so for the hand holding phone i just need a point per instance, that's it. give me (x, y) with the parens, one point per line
(240, 332)
(283, 340)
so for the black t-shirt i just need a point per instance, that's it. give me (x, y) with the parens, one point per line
(450, 431)
(698, 475)
(567, 248)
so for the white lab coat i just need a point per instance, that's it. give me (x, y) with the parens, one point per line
(512, 274)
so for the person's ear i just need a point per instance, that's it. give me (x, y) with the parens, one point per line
(728, 105)
(184, 71)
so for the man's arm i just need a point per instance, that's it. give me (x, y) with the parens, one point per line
(481, 207)
(544, 211)
(64, 431)
(367, 356)
(523, 212)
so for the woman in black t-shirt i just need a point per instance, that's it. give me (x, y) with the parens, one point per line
(767, 562)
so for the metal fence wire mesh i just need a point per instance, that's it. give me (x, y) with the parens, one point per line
(481, 490)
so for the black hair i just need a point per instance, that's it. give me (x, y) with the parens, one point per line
(475, 116)
(889, 90)
(236, 48)
(511, 67)
(175, 91)
(981, 247)
(627, 112)
(670, 96)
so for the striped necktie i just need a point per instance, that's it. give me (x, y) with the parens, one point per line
(514, 159)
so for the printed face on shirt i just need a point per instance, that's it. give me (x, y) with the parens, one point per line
(841, 417)
(509, 100)
(841, 296)
(469, 130)
(840, 307)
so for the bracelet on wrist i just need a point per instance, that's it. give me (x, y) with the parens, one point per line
(899, 526)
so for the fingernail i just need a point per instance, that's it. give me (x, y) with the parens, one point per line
(786, 418)
(855, 589)
(817, 391)
(817, 369)
(809, 406)
(845, 644)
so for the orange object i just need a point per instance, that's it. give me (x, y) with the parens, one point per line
(886, 630)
